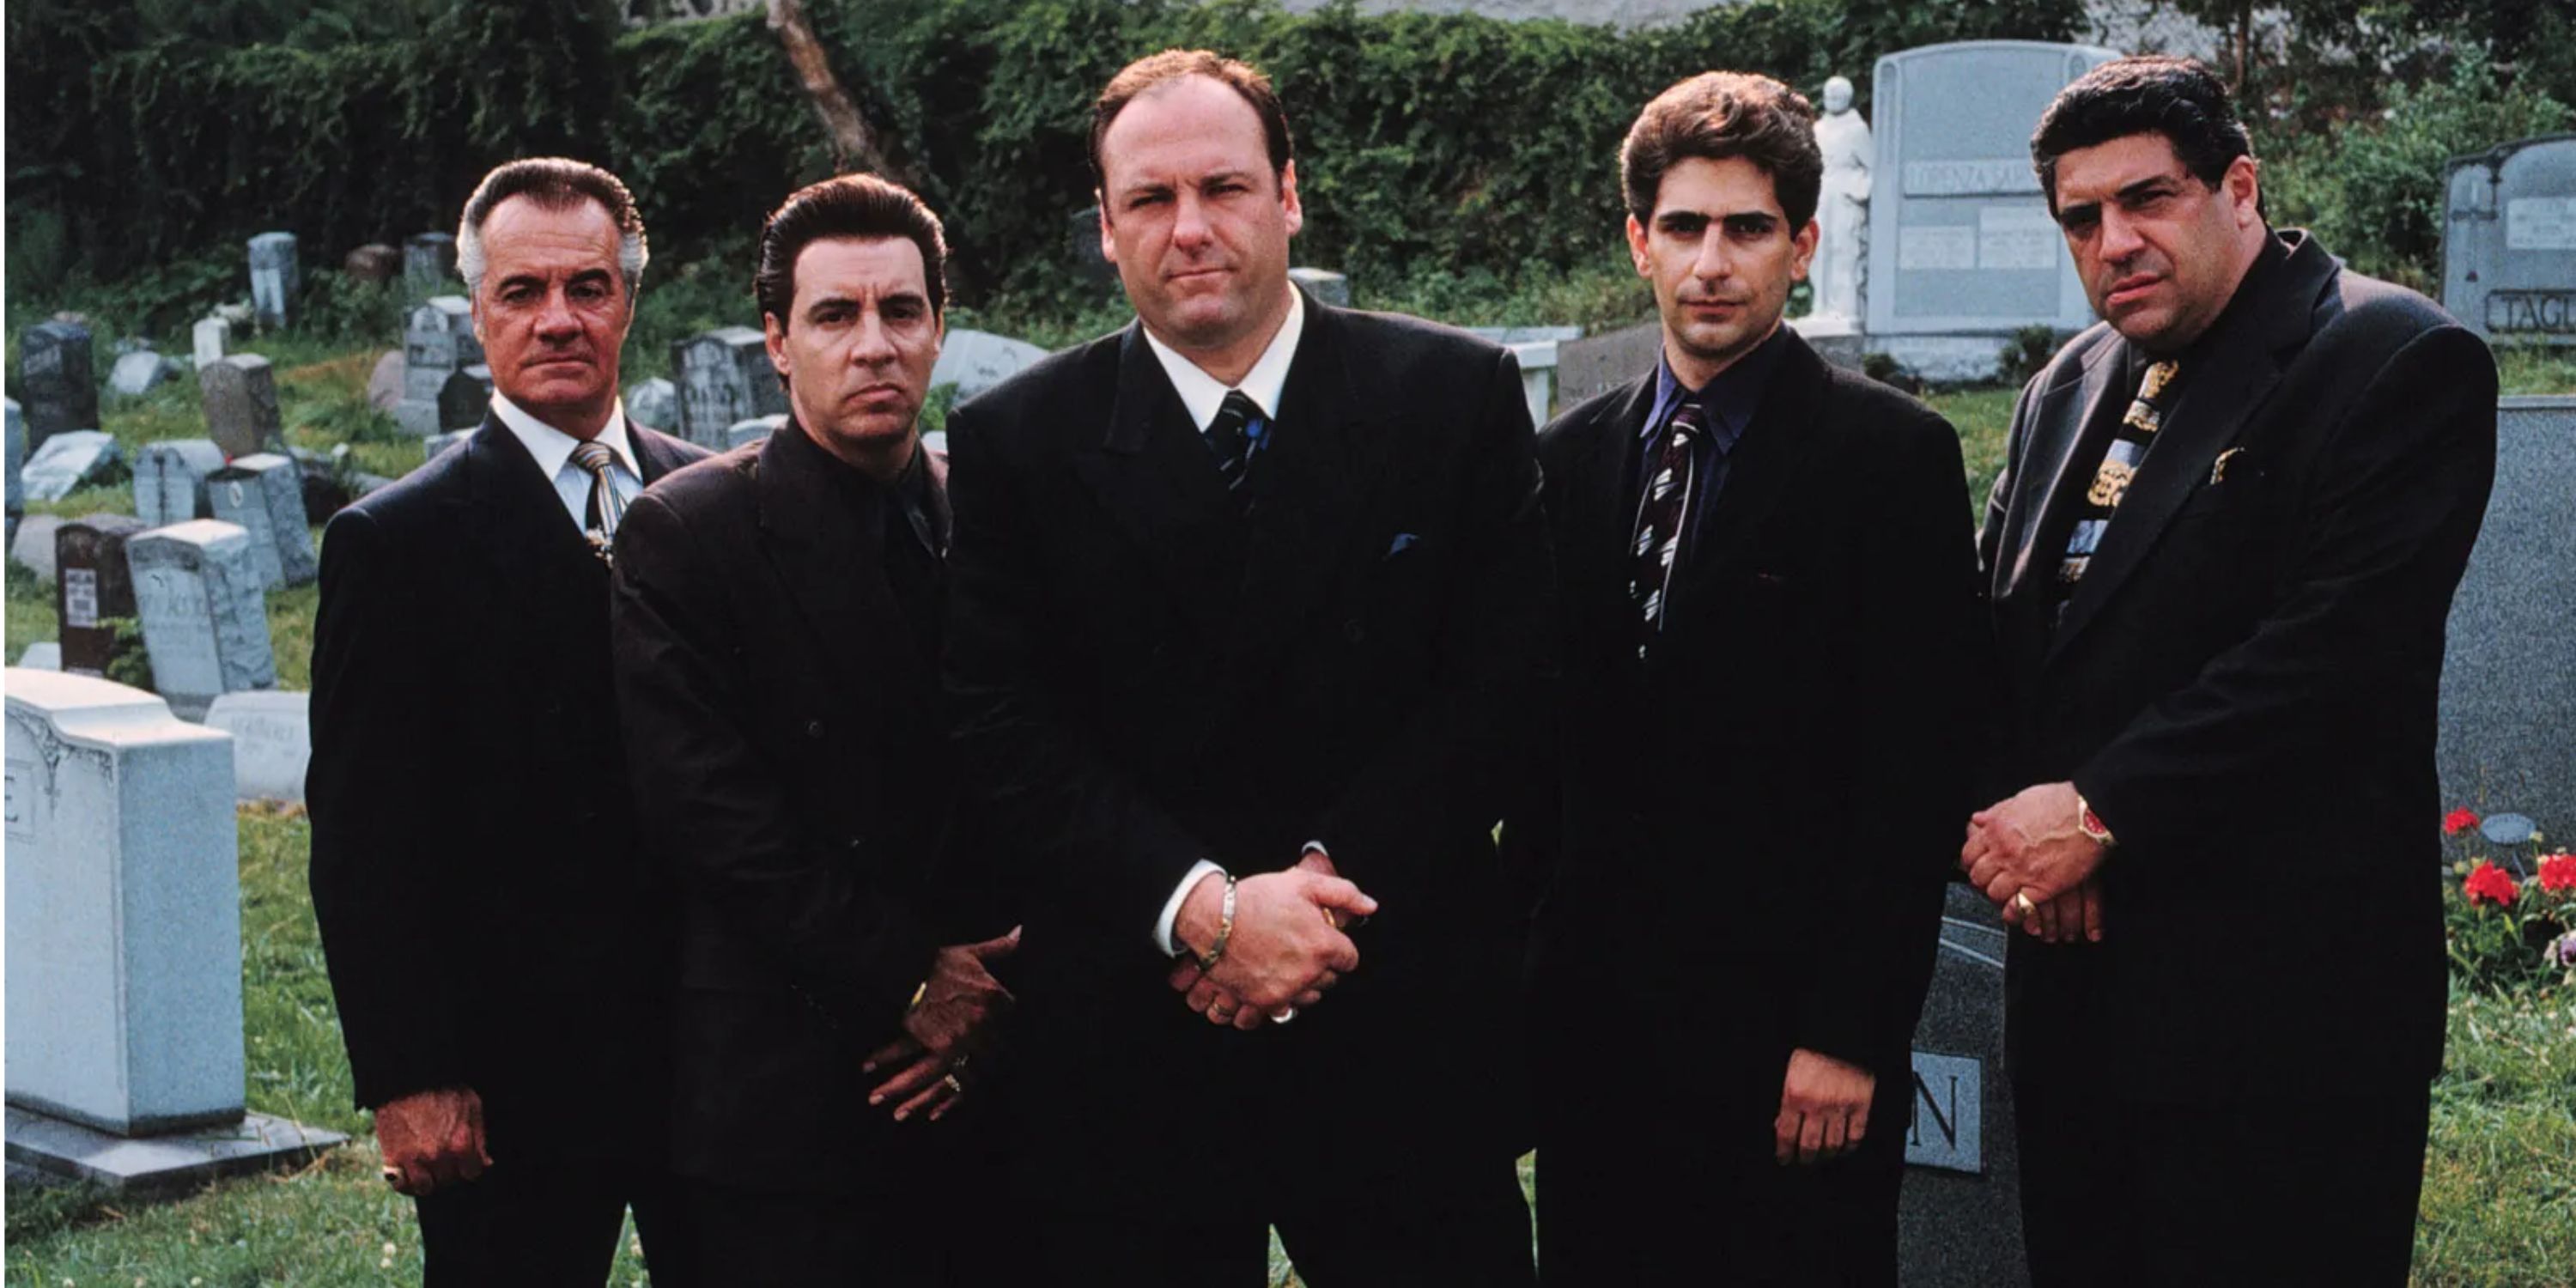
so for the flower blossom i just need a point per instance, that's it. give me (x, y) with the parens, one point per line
(2489, 884)
(2458, 821)
(2558, 872)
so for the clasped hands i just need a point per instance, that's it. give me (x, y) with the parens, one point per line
(2033, 845)
(954, 1018)
(1286, 948)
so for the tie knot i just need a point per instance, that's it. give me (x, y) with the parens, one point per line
(1689, 422)
(594, 456)
(1238, 407)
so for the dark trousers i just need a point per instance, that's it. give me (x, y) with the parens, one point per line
(544, 1223)
(2313, 1189)
(1478, 1237)
(733, 1235)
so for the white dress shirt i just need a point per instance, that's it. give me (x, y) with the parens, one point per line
(553, 449)
(1203, 394)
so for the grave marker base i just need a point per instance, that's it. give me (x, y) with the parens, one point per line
(155, 1164)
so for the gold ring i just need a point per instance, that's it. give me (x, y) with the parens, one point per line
(393, 1176)
(953, 1084)
(2023, 902)
(1331, 918)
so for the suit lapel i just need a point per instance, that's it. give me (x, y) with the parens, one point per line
(827, 550)
(656, 454)
(1154, 477)
(2047, 481)
(1761, 469)
(530, 542)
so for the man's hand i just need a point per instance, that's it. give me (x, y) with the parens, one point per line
(961, 1004)
(1824, 1108)
(432, 1139)
(1287, 946)
(2070, 917)
(2030, 844)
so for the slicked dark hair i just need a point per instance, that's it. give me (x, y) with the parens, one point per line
(2179, 98)
(1716, 115)
(553, 183)
(855, 206)
(1172, 64)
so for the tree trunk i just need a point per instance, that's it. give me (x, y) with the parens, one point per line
(854, 145)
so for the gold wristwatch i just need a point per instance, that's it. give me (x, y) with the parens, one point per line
(2090, 824)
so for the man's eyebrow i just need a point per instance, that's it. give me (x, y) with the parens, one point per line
(2145, 187)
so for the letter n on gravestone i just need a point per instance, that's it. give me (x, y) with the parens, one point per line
(1959, 1217)
(205, 622)
(264, 493)
(725, 379)
(93, 587)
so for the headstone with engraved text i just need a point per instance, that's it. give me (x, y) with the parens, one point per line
(170, 479)
(264, 494)
(724, 378)
(272, 742)
(205, 623)
(438, 342)
(92, 587)
(655, 404)
(1959, 1212)
(2509, 246)
(2509, 666)
(429, 266)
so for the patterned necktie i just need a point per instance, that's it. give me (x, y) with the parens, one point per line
(1233, 436)
(605, 507)
(1661, 507)
(2111, 478)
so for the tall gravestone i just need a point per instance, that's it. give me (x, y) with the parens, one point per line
(1959, 1212)
(205, 622)
(429, 266)
(725, 379)
(92, 589)
(240, 395)
(2509, 246)
(54, 374)
(438, 342)
(209, 340)
(276, 279)
(1962, 249)
(17, 429)
(170, 479)
(2509, 666)
(264, 494)
(465, 398)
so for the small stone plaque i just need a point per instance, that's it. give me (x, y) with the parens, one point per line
(67, 462)
(975, 361)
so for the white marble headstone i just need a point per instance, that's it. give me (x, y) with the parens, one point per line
(205, 622)
(753, 430)
(170, 479)
(67, 461)
(272, 741)
(210, 340)
(264, 493)
(276, 276)
(975, 361)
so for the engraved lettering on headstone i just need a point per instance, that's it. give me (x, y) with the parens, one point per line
(2540, 223)
(1998, 176)
(2015, 237)
(1936, 246)
(80, 598)
(1947, 1121)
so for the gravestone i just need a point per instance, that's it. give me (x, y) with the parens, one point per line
(276, 278)
(264, 495)
(1535, 349)
(429, 266)
(975, 361)
(753, 430)
(17, 440)
(464, 399)
(140, 372)
(209, 340)
(373, 262)
(93, 587)
(385, 382)
(124, 934)
(1327, 286)
(724, 378)
(240, 396)
(1959, 1212)
(1597, 364)
(43, 655)
(655, 404)
(66, 462)
(2509, 666)
(58, 392)
(2509, 247)
(438, 342)
(170, 479)
(431, 446)
(33, 547)
(204, 619)
(1962, 250)
(272, 742)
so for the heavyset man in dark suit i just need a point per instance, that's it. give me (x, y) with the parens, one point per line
(778, 614)
(497, 943)
(2220, 555)
(1769, 598)
(1249, 615)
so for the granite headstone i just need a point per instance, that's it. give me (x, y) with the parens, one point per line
(438, 342)
(431, 446)
(276, 279)
(170, 479)
(1324, 284)
(240, 395)
(2509, 247)
(724, 378)
(2509, 667)
(67, 461)
(1597, 364)
(43, 655)
(975, 361)
(140, 372)
(1959, 1211)
(429, 266)
(209, 340)
(655, 404)
(1082, 245)
(59, 390)
(264, 494)
(93, 588)
(464, 399)
(272, 742)
(205, 622)
(373, 262)
(754, 429)
(33, 547)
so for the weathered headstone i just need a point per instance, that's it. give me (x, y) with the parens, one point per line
(754, 429)
(2509, 666)
(1962, 250)
(170, 479)
(1324, 284)
(1959, 1214)
(373, 262)
(140, 372)
(655, 404)
(438, 342)
(431, 446)
(17, 461)
(33, 547)
(209, 340)
(43, 655)
(240, 395)
(272, 742)
(429, 266)
(264, 494)
(67, 461)
(276, 278)
(124, 935)
(205, 622)
(464, 399)
(93, 587)
(724, 378)
(2509, 248)
(1599, 363)
(975, 361)
(1535, 348)
(385, 382)
(59, 388)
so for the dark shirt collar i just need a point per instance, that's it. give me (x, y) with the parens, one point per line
(1730, 398)
(908, 495)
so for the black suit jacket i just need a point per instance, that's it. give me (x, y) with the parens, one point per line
(790, 767)
(1143, 679)
(1757, 821)
(2243, 688)
(485, 907)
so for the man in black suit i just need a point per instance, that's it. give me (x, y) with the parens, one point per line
(1770, 620)
(2220, 555)
(496, 942)
(1250, 614)
(778, 612)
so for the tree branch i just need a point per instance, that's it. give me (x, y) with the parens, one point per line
(854, 145)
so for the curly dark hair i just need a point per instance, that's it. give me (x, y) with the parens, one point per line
(1716, 115)
(2179, 98)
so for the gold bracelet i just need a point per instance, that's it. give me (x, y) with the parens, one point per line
(1224, 929)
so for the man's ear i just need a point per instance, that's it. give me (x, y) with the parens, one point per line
(1108, 244)
(2243, 184)
(1288, 198)
(1637, 247)
(1806, 246)
(774, 334)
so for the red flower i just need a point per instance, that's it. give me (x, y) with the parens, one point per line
(2489, 884)
(2458, 821)
(2558, 872)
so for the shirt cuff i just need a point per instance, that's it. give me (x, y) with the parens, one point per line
(1172, 906)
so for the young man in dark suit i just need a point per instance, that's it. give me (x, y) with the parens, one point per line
(498, 946)
(778, 614)
(1770, 621)
(2221, 555)
(1250, 615)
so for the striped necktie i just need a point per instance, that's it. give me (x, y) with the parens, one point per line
(2120, 460)
(605, 506)
(1661, 506)
(1234, 436)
